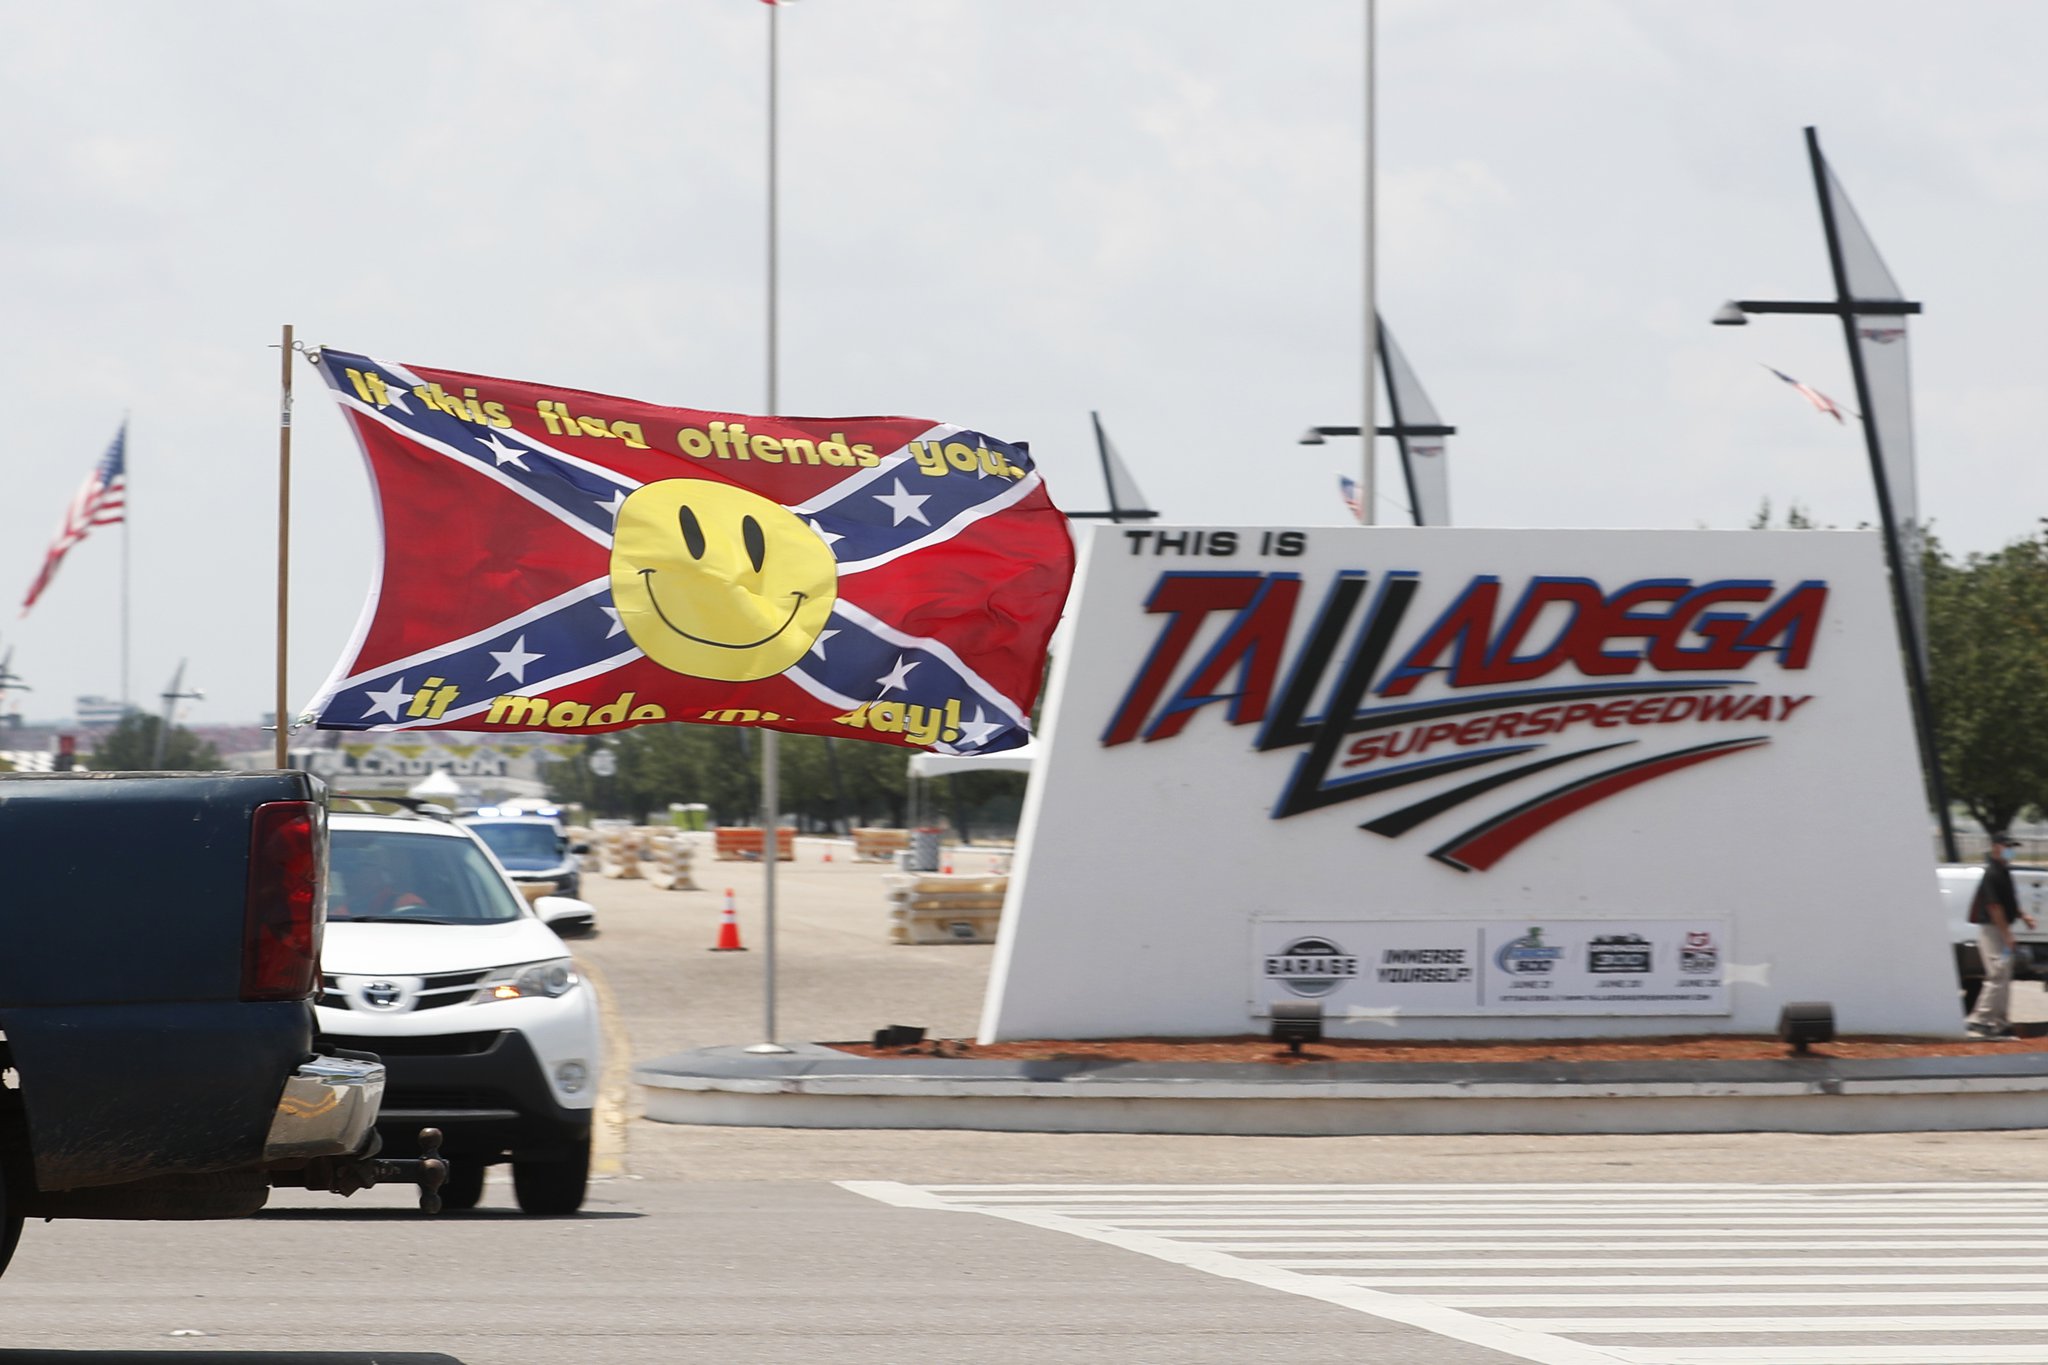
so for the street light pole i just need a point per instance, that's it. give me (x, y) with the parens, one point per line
(1847, 307)
(1370, 321)
(1315, 436)
(173, 694)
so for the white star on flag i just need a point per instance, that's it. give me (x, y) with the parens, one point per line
(387, 703)
(974, 733)
(906, 505)
(618, 500)
(617, 624)
(818, 647)
(512, 662)
(397, 396)
(829, 537)
(505, 453)
(899, 676)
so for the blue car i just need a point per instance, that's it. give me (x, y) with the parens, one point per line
(533, 849)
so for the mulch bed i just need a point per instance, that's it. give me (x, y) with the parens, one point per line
(1255, 1048)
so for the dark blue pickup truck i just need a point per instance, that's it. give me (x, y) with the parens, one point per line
(159, 945)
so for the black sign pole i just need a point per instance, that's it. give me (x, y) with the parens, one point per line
(1902, 606)
(1400, 424)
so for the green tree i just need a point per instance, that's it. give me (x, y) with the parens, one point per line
(1796, 518)
(131, 747)
(819, 781)
(1987, 638)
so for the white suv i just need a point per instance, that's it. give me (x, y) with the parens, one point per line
(435, 963)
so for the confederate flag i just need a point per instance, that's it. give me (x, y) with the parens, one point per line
(566, 561)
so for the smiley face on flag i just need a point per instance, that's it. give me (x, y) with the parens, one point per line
(714, 581)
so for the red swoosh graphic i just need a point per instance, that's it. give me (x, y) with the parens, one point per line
(1480, 847)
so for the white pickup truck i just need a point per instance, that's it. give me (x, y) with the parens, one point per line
(1958, 888)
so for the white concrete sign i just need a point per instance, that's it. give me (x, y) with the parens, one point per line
(1483, 744)
(1388, 968)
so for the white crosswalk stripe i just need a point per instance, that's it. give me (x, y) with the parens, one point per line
(1915, 1273)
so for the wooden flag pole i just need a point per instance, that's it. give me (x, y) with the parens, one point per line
(284, 540)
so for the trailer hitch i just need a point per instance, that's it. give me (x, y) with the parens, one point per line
(345, 1175)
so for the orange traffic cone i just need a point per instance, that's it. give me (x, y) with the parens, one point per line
(728, 929)
(828, 853)
(947, 869)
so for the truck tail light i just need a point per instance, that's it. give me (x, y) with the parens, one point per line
(286, 907)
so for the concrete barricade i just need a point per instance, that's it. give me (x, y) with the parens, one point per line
(930, 907)
(618, 850)
(735, 843)
(879, 845)
(666, 864)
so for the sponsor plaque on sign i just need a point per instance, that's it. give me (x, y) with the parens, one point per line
(1521, 966)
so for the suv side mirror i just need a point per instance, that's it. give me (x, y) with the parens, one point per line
(567, 916)
(580, 849)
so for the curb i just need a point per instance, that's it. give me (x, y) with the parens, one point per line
(820, 1087)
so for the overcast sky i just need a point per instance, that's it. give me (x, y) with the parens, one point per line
(1000, 213)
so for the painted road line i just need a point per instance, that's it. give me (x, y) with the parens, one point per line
(1227, 1204)
(1832, 1355)
(608, 1122)
(1955, 1298)
(1479, 1253)
(981, 1194)
(1958, 1322)
(1816, 1231)
(1477, 1275)
(1664, 1237)
(1622, 1262)
(1540, 1347)
(1572, 1227)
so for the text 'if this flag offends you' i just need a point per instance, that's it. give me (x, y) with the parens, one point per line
(564, 561)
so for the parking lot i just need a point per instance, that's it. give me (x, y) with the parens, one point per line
(728, 1245)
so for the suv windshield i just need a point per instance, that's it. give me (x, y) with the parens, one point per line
(527, 845)
(397, 875)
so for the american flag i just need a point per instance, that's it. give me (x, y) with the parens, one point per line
(1814, 396)
(100, 502)
(1348, 486)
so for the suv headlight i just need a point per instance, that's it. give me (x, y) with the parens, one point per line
(554, 977)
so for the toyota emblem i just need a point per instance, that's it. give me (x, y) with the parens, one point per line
(382, 995)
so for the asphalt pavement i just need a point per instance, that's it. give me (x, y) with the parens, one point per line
(744, 1245)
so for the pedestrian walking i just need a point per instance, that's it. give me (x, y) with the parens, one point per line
(1993, 910)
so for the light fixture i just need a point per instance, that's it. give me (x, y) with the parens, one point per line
(1312, 437)
(1730, 314)
(1803, 1023)
(1296, 1022)
(899, 1035)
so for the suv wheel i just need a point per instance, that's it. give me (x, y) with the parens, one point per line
(552, 1186)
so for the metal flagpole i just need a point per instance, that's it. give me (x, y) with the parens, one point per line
(127, 503)
(1367, 428)
(769, 774)
(284, 538)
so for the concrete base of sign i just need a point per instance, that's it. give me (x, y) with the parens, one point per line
(821, 1087)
